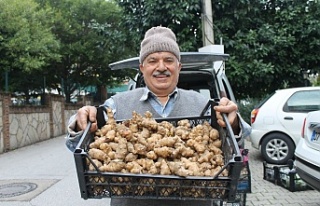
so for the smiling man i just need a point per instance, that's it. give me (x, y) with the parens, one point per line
(160, 66)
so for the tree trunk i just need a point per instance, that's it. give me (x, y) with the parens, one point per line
(101, 94)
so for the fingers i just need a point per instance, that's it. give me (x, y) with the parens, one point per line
(82, 118)
(220, 119)
(228, 107)
(85, 114)
(94, 126)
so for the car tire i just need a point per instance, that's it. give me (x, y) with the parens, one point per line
(277, 148)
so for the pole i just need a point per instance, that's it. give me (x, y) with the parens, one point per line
(207, 22)
(44, 84)
(44, 91)
(6, 81)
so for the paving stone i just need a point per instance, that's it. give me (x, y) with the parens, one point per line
(265, 193)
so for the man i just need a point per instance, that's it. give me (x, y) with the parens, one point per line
(160, 65)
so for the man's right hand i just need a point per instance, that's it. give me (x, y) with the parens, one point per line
(85, 114)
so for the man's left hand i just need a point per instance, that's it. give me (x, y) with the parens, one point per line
(230, 108)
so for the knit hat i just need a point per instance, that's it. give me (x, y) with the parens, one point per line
(159, 39)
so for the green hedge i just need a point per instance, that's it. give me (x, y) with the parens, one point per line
(246, 106)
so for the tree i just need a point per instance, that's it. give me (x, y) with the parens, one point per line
(183, 17)
(72, 42)
(269, 42)
(91, 37)
(26, 42)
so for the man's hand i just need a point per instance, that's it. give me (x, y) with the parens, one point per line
(230, 108)
(85, 114)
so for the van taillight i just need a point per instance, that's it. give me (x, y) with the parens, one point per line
(302, 130)
(254, 114)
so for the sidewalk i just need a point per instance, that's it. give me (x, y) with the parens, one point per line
(44, 174)
(47, 168)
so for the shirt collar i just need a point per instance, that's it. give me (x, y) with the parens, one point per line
(147, 93)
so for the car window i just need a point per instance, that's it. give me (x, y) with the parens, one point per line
(205, 92)
(263, 101)
(303, 101)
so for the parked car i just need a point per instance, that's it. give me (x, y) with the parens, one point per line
(307, 154)
(276, 122)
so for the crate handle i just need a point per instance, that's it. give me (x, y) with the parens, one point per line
(86, 132)
(210, 103)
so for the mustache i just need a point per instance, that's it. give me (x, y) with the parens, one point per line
(166, 73)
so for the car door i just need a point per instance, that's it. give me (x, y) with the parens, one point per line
(295, 109)
(225, 87)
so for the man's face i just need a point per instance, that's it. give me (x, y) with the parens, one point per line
(161, 72)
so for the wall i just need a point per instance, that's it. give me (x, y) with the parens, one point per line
(25, 125)
(1, 128)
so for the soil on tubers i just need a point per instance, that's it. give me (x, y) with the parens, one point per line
(141, 145)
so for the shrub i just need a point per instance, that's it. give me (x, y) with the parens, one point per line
(246, 106)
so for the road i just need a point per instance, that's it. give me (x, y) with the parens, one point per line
(43, 174)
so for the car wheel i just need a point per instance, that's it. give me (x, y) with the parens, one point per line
(277, 148)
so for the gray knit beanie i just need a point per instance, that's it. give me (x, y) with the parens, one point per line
(159, 39)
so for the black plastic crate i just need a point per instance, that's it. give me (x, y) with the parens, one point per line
(240, 200)
(284, 176)
(96, 184)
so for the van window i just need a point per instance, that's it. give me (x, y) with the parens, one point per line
(227, 88)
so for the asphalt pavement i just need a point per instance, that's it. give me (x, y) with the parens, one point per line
(44, 174)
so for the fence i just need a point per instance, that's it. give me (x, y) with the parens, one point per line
(25, 125)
